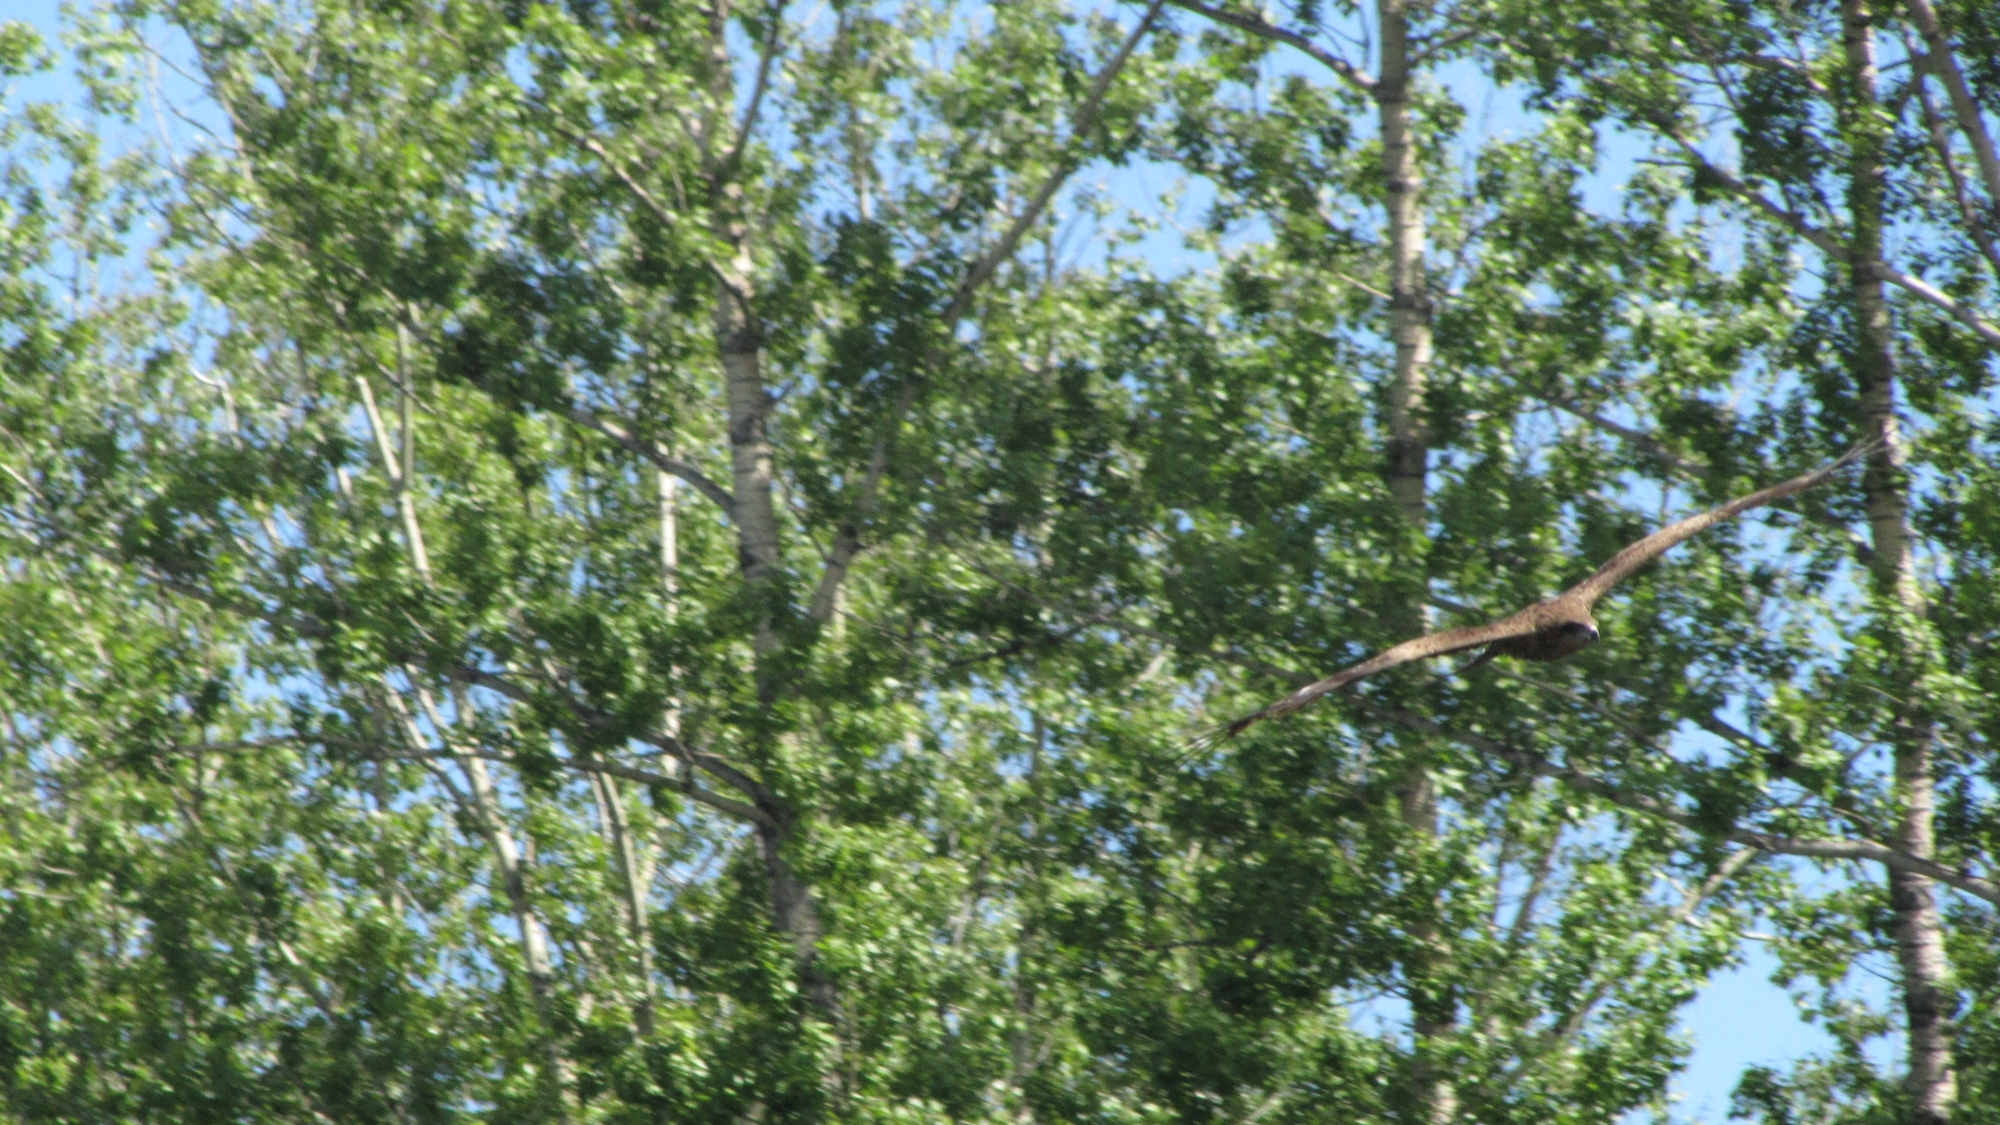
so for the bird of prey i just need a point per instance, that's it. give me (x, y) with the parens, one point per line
(1548, 630)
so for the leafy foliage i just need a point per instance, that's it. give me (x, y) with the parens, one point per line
(630, 561)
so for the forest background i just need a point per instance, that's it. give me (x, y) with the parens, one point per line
(640, 561)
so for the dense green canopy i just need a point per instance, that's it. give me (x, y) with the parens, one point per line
(644, 560)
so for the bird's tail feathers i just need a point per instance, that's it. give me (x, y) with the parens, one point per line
(1855, 452)
(1858, 450)
(1212, 738)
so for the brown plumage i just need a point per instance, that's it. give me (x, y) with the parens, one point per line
(1548, 630)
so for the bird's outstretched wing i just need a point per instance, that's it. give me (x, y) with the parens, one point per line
(1573, 604)
(1580, 597)
(1420, 648)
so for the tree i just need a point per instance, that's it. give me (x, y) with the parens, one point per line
(494, 290)
(625, 561)
(1866, 164)
(1263, 449)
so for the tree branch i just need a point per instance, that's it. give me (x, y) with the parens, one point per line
(1258, 26)
(1833, 248)
(308, 627)
(707, 762)
(1673, 462)
(701, 481)
(715, 801)
(1431, 48)
(667, 216)
(1689, 903)
(1585, 783)
(1638, 439)
(1968, 213)
(1582, 782)
(1945, 63)
(847, 540)
(722, 771)
(1081, 124)
(769, 51)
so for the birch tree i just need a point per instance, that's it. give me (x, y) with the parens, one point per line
(1862, 138)
(638, 561)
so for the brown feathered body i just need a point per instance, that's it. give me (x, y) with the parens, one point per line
(1556, 641)
(1548, 630)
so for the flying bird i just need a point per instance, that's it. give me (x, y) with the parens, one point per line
(1550, 629)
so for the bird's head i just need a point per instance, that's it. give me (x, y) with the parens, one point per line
(1567, 639)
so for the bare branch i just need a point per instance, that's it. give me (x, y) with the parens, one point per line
(769, 51)
(1945, 62)
(1796, 69)
(1263, 29)
(1724, 871)
(307, 627)
(1432, 48)
(701, 481)
(503, 686)
(1582, 782)
(667, 215)
(715, 801)
(714, 766)
(1351, 280)
(1673, 462)
(1968, 213)
(847, 540)
(1836, 250)
(1081, 124)
(1931, 294)
(1638, 439)
(251, 745)
(398, 473)
(1524, 911)
(709, 763)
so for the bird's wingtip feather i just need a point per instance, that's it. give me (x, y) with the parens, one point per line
(1214, 737)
